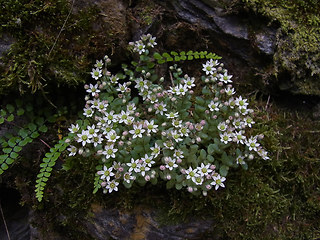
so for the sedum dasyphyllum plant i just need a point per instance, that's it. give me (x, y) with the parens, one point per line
(139, 129)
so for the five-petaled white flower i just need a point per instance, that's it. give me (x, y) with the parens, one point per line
(209, 67)
(218, 181)
(252, 143)
(172, 115)
(171, 163)
(225, 78)
(214, 106)
(112, 186)
(151, 127)
(84, 137)
(137, 130)
(106, 173)
(93, 89)
(109, 151)
(96, 73)
(134, 165)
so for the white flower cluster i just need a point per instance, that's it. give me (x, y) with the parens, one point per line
(163, 132)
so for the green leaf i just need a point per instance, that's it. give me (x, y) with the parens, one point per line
(203, 154)
(183, 57)
(35, 135)
(10, 118)
(1, 120)
(4, 166)
(177, 58)
(23, 133)
(210, 159)
(161, 61)
(3, 113)
(157, 56)
(43, 129)
(43, 165)
(166, 55)
(7, 150)
(174, 53)
(3, 158)
(9, 161)
(178, 186)
(14, 155)
(10, 108)
(190, 57)
(20, 111)
(47, 174)
(51, 164)
(32, 127)
(29, 107)
(223, 170)
(12, 142)
(23, 143)
(210, 149)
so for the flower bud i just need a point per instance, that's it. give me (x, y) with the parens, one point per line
(162, 167)
(179, 160)
(190, 189)
(204, 193)
(208, 186)
(147, 178)
(168, 177)
(103, 184)
(203, 122)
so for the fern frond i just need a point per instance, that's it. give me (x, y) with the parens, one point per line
(47, 164)
(190, 55)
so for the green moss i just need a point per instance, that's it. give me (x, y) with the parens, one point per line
(43, 54)
(298, 43)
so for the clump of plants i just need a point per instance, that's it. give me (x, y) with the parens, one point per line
(140, 127)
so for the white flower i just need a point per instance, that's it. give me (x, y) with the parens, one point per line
(111, 117)
(84, 137)
(93, 89)
(112, 136)
(225, 78)
(143, 168)
(240, 160)
(177, 123)
(92, 130)
(208, 67)
(241, 102)
(155, 150)
(96, 73)
(141, 84)
(248, 121)
(151, 127)
(137, 131)
(222, 126)
(192, 174)
(114, 79)
(74, 128)
(252, 143)
(168, 144)
(214, 106)
(176, 136)
(73, 150)
(172, 115)
(178, 153)
(139, 47)
(189, 82)
(88, 112)
(237, 123)
(127, 177)
(109, 151)
(171, 163)
(123, 117)
(148, 160)
(131, 107)
(102, 106)
(263, 153)
(152, 42)
(134, 165)
(218, 181)
(239, 137)
(198, 180)
(161, 107)
(106, 173)
(204, 170)
(181, 89)
(96, 139)
(112, 186)
(229, 91)
(225, 137)
(122, 88)
(99, 64)
(184, 131)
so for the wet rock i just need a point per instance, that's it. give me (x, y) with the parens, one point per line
(141, 224)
